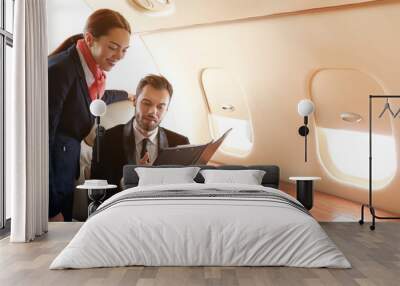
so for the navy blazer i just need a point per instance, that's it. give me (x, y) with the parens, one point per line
(70, 121)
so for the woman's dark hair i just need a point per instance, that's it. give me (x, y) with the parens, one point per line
(98, 24)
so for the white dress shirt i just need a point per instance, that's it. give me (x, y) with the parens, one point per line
(152, 144)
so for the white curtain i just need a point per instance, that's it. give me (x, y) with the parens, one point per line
(27, 123)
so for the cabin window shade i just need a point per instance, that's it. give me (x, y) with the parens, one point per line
(343, 146)
(227, 108)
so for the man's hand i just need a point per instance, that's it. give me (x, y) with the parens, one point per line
(145, 160)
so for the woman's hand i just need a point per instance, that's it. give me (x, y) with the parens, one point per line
(131, 97)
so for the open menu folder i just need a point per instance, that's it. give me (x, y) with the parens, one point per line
(189, 154)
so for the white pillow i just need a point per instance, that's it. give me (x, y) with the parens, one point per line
(163, 176)
(248, 177)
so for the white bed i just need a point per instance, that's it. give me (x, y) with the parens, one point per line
(183, 230)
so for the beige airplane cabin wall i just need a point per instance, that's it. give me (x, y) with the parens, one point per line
(275, 56)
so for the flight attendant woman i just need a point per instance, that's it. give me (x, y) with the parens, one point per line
(76, 75)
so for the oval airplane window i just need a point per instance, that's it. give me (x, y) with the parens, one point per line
(343, 145)
(227, 108)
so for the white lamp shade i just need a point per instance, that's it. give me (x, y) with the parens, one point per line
(98, 107)
(305, 107)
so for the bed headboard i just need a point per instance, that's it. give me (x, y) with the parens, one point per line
(270, 179)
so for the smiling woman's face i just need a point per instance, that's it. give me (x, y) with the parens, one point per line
(107, 50)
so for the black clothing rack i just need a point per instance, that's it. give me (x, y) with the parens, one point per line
(369, 205)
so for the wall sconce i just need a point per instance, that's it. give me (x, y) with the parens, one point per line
(98, 108)
(305, 108)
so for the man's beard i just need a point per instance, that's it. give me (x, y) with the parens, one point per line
(148, 127)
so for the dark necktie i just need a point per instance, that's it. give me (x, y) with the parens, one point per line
(144, 147)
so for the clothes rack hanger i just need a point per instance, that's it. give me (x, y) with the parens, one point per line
(387, 107)
(397, 113)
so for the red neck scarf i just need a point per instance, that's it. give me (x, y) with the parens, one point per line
(98, 86)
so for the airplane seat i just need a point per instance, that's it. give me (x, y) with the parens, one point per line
(117, 113)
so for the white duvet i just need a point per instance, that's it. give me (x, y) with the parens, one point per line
(200, 231)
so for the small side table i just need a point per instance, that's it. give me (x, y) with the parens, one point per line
(304, 190)
(96, 194)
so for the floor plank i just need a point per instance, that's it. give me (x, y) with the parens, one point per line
(374, 255)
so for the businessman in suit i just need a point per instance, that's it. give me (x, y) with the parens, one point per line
(138, 141)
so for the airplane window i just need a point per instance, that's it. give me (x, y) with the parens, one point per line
(346, 146)
(239, 140)
(341, 100)
(227, 104)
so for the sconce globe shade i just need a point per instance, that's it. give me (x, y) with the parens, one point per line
(98, 107)
(305, 107)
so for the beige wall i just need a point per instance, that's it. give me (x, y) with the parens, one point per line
(186, 13)
(274, 59)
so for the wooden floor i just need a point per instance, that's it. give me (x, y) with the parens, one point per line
(374, 255)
